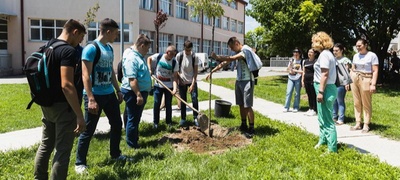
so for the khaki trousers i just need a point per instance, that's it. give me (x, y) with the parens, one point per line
(362, 96)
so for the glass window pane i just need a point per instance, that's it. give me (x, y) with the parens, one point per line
(47, 34)
(60, 23)
(126, 36)
(3, 36)
(91, 35)
(35, 22)
(35, 34)
(58, 32)
(3, 45)
(92, 25)
(48, 23)
(3, 28)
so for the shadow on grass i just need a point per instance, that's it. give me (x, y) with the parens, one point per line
(265, 131)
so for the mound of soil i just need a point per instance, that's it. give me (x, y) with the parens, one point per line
(191, 138)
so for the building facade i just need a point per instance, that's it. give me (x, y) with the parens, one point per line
(25, 25)
(181, 25)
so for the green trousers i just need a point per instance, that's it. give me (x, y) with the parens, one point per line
(327, 129)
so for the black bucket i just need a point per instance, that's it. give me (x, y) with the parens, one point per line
(222, 108)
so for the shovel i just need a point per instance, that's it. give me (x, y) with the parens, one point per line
(201, 118)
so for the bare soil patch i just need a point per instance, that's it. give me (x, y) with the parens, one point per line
(191, 138)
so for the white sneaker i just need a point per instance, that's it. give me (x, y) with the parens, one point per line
(313, 113)
(80, 169)
(295, 110)
(286, 110)
(196, 123)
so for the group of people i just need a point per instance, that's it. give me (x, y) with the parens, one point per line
(326, 94)
(90, 73)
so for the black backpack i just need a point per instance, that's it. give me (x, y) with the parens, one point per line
(97, 58)
(119, 71)
(36, 69)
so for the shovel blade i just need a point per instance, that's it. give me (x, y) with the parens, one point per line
(203, 122)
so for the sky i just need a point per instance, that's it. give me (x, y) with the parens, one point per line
(250, 23)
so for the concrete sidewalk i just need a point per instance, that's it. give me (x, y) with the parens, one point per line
(386, 150)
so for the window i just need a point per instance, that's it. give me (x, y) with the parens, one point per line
(166, 6)
(225, 23)
(196, 44)
(94, 31)
(206, 20)
(218, 22)
(225, 48)
(217, 47)
(126, 33)
(3, 35)
(180, 40)
(233, 5)
(207, 46)
(146, 4)
(225, 2)
(165, 41)
(181, 10)
(45, 29)
(233, 25)
(151, 35)
(240, 27)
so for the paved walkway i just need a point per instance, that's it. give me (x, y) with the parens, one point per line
(386, 150)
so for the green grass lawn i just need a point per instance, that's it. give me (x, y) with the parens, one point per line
(15, 98)
(385, 115)
(278, 151)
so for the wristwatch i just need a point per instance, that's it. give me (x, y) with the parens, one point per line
(321, 92)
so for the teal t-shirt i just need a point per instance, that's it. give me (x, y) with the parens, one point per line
(134, 66)
(103, 69)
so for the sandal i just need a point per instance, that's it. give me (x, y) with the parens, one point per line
(365, 130)
(354, 128)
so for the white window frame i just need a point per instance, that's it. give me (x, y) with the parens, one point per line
(40, 27)
(225, 23)
(196, 44)
(166, 6)
(164, 41)
(207, 46)
(217, 47)
(225, 48)
(233, 25)
(146, 4)
(233, 5)
(95, 26)
(218, 22)
(240, 27)
(151, 36)
(180, 41)
(181, 10)
(195, 18)
(206, 20)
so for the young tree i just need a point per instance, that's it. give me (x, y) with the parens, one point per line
(159, 22)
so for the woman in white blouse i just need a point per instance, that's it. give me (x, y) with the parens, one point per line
(364, 73)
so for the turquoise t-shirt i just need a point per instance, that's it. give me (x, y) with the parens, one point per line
(134, 66)
(103, 69)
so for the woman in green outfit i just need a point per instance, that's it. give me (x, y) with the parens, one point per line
(325, 88)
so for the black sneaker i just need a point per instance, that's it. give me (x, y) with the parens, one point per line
(250, 133)
(243, 128)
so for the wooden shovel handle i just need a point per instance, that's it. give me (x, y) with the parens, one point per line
(178, 97)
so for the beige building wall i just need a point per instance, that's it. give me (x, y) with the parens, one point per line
(63, 10)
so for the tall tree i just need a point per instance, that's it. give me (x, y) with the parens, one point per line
(345, 20)
(257, 39)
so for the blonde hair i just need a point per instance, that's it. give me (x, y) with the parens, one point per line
(321, 41)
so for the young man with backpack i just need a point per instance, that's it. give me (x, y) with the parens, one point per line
(99, 84)
(166, 70)
(63, 119)
(248, 63)
(188, 71)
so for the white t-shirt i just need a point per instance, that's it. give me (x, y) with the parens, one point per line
(164, 71)
(364, 62)
(325, 60)
(187, 71)
(295, 64)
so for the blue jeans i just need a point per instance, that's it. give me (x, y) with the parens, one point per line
(134, 113)
(183, 93)
(158, 93)
(339, 106)
(293, 84)
(110, 105)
